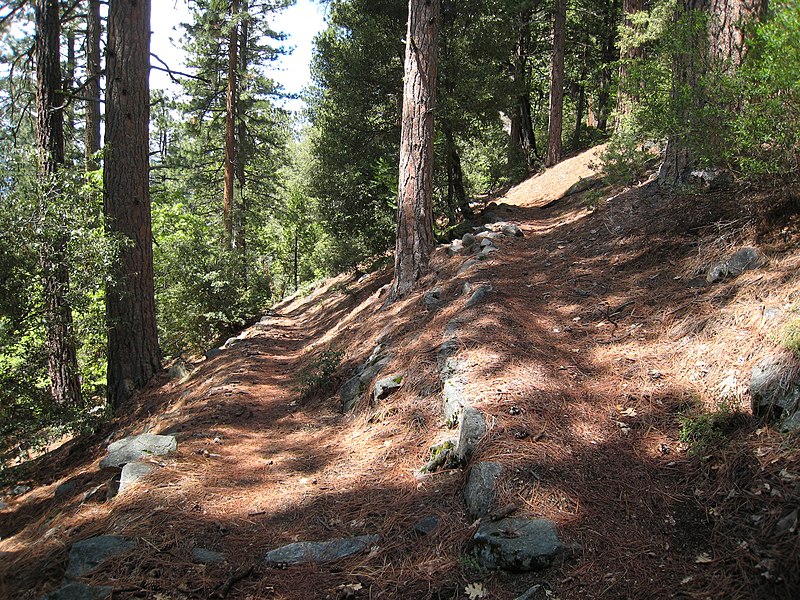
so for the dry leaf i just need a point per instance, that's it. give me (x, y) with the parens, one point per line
(475, 591)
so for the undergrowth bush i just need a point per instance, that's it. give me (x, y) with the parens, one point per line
(317, 377)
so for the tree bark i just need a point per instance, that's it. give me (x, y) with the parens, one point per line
(62, 362)
(241, 141)
(415, 187)
(522, 136)
(230, 159)
(92, 90)
(133, 353)
(556, 84)
(721, 46)
(608, 57)
(456, 194)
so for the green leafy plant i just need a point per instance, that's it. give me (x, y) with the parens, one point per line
(318, 375)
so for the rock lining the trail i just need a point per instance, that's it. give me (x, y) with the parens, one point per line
(205, 556)
(479, 492)
(320, 551)
(132, 449)
(80, 591)
(746, 259)
(352, 389)
(131, 474)
(775, 391)
(386, 386)
(87, 554)
(517, 545)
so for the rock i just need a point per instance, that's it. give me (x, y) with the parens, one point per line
(349, 393)
(3, 505)
(478, 296)
(386, 386)
(427, 525)
(487, 251)
(204, 556)
(133, 472)
(319, 552)
(468, 240)
(80, 591)
(517, 545)
(742, 260)
(179, 370)
(452, 327)
(213, 353)
(775, 390)
(480, 489)
(18, 490)
(453, 401)
(89, 553)
(232, 341)
(512, 230)
(711, 179)
(66, 489)
(134, 448)
(531, 593)
(431, 299)
(442, 456)
(471, 432)
(467, 265)
(455, 247)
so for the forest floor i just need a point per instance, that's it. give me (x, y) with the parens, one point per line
(599, 343)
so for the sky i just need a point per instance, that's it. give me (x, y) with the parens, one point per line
(300, 22)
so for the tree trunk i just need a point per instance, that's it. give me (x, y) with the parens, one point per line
(628, 92)
(522, 136)
(581, 104)
(415, 187)
(456, 194)
(62, 363)
(721, 46)
(296, 258)
(608, 56)
(133, 353)
(241, 152)
(92, 89)
(556, 84)
(229, 168)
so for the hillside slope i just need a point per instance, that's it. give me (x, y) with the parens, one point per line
(594, 354)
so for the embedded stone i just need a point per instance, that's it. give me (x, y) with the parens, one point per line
(386, 386)
(87, 554)
(518, 545)
(319, 552)
(471, 432)
(137, 447)
(479, 491)
(204, 556)
(80, 591)
(131, 473)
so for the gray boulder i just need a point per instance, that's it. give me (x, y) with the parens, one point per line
(512, 230)
(454, 399)
(432, 299)
(480, 489)
(319, 552)
(386, 386)
(478, 296)
(455, 247)
(66, 489)
(213, 353)
(426, 525)
(204, 556)
(473, 428)
(179, 370)
(467, 265)
(135, 448)
(132, 473)
(80, 591)
(775, 390)
(742, 260)
(349, 393)
(89, 553)
(518, 545)
(468, 240)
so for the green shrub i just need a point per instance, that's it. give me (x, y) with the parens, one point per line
(317, 377)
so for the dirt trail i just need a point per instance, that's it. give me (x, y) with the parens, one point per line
(594, 344)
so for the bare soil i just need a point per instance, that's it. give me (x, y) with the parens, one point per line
(599, 342)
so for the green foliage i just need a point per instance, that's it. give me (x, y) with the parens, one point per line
(704, 430)
(317, 377)
(791, 336)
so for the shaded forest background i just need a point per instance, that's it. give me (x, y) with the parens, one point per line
(251, 204)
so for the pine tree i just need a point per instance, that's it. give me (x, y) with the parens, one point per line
(415, 203)
(133, 352)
